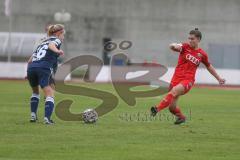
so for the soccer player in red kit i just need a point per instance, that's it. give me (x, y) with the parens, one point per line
(183, 79)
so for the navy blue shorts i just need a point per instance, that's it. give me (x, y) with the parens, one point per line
(39, 76)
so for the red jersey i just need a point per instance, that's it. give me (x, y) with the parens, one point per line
(188, 62)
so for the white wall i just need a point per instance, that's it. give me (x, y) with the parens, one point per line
(15, 70)
(18, 71)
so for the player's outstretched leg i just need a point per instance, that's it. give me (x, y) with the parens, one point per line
(168, 99)
(34, 104)
(163, 104)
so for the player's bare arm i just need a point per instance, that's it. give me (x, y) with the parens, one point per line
(212, 70)
(53, 47)
(176, 47)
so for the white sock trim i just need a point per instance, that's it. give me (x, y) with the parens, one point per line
(50, 99)
(35, 95)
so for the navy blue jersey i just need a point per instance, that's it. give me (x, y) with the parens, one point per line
(43, 57)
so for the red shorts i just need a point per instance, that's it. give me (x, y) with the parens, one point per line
(187, 84)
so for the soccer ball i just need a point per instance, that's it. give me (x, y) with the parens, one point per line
(90, 116)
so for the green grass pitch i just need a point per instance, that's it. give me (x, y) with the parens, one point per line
(211, 133)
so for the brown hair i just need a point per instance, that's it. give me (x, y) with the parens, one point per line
(53, 29)
(197, 33)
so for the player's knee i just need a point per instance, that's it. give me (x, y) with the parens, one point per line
(48, 91)
(174, 92)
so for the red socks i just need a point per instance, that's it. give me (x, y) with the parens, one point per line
(177, 112)
(165, 102)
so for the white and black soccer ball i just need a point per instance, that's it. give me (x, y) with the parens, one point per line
(90, 116)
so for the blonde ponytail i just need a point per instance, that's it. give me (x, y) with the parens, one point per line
(53, 29)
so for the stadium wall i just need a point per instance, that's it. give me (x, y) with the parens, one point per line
(150, 26)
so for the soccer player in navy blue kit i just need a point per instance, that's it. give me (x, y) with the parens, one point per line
(40, 70)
